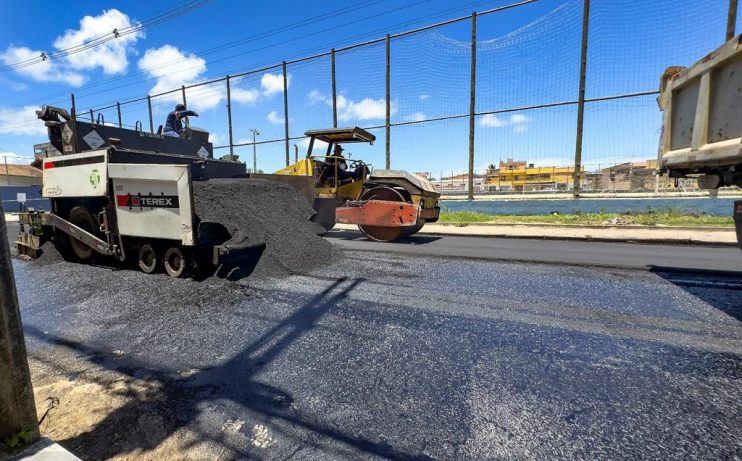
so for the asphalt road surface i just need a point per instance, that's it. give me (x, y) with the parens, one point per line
(579, 253)
(402, 356)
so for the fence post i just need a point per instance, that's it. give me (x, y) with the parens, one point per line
(182, 90)
(388, 102)
(472, 101)
(286, 110)
(334, 91)
(149, 108)
(731, 19)
(118, 109)
(17, 407)
(581, 100)
(229, 120)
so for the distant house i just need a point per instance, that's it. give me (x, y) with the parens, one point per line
(459, 183)
(19, 175)
(629, 177)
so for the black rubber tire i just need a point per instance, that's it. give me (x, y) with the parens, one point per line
(148, 260)
(81, 217)
(176, 262)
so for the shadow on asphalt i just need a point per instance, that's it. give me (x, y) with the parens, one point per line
(358, 235)
(711, 287)
(179, 398)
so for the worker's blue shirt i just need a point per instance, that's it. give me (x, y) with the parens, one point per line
(173, 122)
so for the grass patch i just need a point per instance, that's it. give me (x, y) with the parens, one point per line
(647, 218)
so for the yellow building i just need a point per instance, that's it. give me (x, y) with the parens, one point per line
(521, 178)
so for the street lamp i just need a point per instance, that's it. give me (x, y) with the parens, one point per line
(255, 133)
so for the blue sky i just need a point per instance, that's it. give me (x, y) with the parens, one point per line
(526, 56)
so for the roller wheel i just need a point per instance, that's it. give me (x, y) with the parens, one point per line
(81, 217)
(382, 233)
(176, 262)
(147, 258)
(414, 229)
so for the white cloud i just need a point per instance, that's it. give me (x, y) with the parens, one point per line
(185, 68)
(44, 71)
(315, 97)
(14, 159)
(365, 109)
(416, 117)
(110, 56)
(274, 118)
(21, 121)
(182, 69)
(245, 96)
(517, 121)
(424, 97)
(491, 120)
(321, 145)
(273, 83)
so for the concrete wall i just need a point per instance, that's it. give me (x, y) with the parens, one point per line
(19, 180)
(8, 195)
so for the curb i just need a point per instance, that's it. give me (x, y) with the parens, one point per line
(591, 226)
(493, 231)
(44, 450)
(648, 241)
(606, 196)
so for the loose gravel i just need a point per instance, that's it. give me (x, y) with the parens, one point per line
(256, 211)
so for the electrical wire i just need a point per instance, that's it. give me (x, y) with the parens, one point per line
(292, 26)
(158, 19)
(397, 26)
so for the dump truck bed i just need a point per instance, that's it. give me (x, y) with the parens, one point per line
(702, 105)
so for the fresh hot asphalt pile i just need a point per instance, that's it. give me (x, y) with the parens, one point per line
(256, 211)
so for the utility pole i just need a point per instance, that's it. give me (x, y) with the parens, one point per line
(17, 407)
(255, 133)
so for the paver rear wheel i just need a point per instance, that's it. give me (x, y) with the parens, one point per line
(81, 217)
(176, 262)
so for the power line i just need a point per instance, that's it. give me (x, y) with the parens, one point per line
(331, 14)
(323, 47)
(160, 18)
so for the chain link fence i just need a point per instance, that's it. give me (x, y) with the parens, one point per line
(493, 103)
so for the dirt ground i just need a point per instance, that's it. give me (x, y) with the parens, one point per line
(74, 402)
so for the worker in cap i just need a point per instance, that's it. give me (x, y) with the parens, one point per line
(173, 125)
